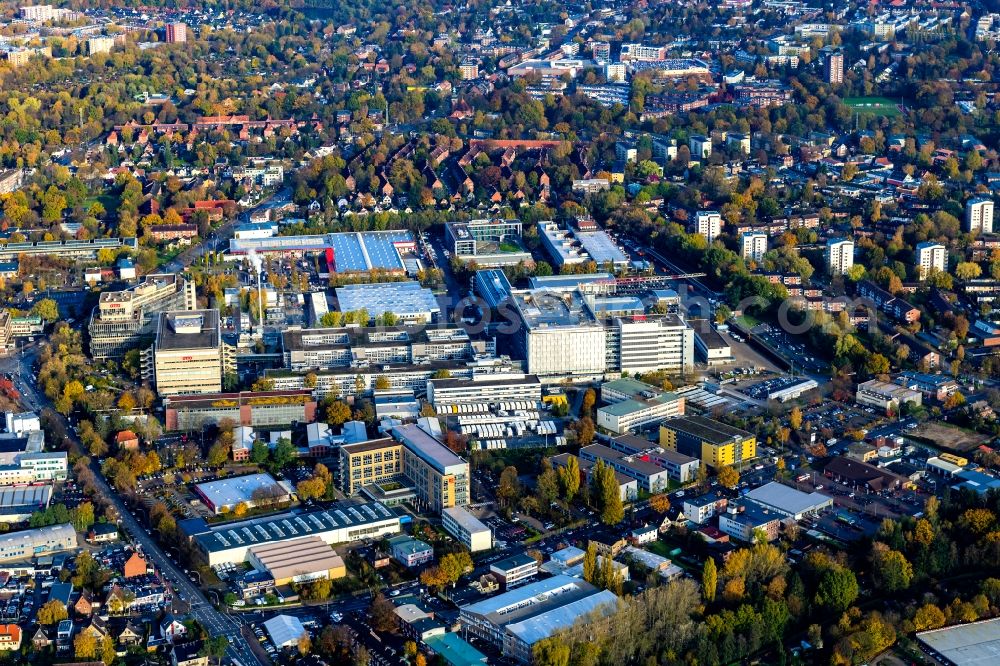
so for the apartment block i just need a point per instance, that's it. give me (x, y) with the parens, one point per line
(979, 215)
(753, 245)
(931, 258)
(839, 255)
(708, 223)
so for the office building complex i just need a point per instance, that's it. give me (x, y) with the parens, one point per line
(26, 544)
(753, 245)
(839, 255)
(482, 390)
(644, 343)
(30, 468)
(188, 354)
(376, 461)
(513, 622)
(248, 408)
(362, 347)
(559, 336)
(70, 249)
(569, 247)
(979, 215)
(490, 242)
(123, 320)
(440, 477)
(415, 455)
(715, 443)
(931, 258)
(467, 529)
(634, 404)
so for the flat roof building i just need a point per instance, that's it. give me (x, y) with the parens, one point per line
(515, 570)
(188, 354)
(284, 630)
(17, 504)
(440, 476)
(788, 501)
(488, 242)
(679, 467)
(247, 408)
(362, 347)
(885, 396)
(493, 286)
(634, 404)
(224, 495)
(648, 343)
(341, 523)
(972, 644)
(569, 247)
(559, 336)
(349, 252)
(467, 529)
(298, 560)
(482, 390)
(651, 477)
(38, 542)
(415, 455)
(708, 344)
(715, 443)
(410, 552)
(513, 622)
(749, 522)
(122, 319)
(409, 301)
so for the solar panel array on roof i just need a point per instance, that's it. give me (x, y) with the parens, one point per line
(291, 526)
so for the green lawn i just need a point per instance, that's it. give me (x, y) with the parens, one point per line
(881, 106)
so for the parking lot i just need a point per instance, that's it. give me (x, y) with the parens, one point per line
(791, 348)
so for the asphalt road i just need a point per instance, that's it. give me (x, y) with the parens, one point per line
(215, 623)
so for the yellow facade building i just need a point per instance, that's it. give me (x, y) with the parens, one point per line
(716, 444)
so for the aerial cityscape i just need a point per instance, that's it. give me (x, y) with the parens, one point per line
(503, 332)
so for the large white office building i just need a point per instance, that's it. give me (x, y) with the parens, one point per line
(647, 344)
(559, 336)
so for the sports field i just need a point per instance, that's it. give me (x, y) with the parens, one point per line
(879, 106)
